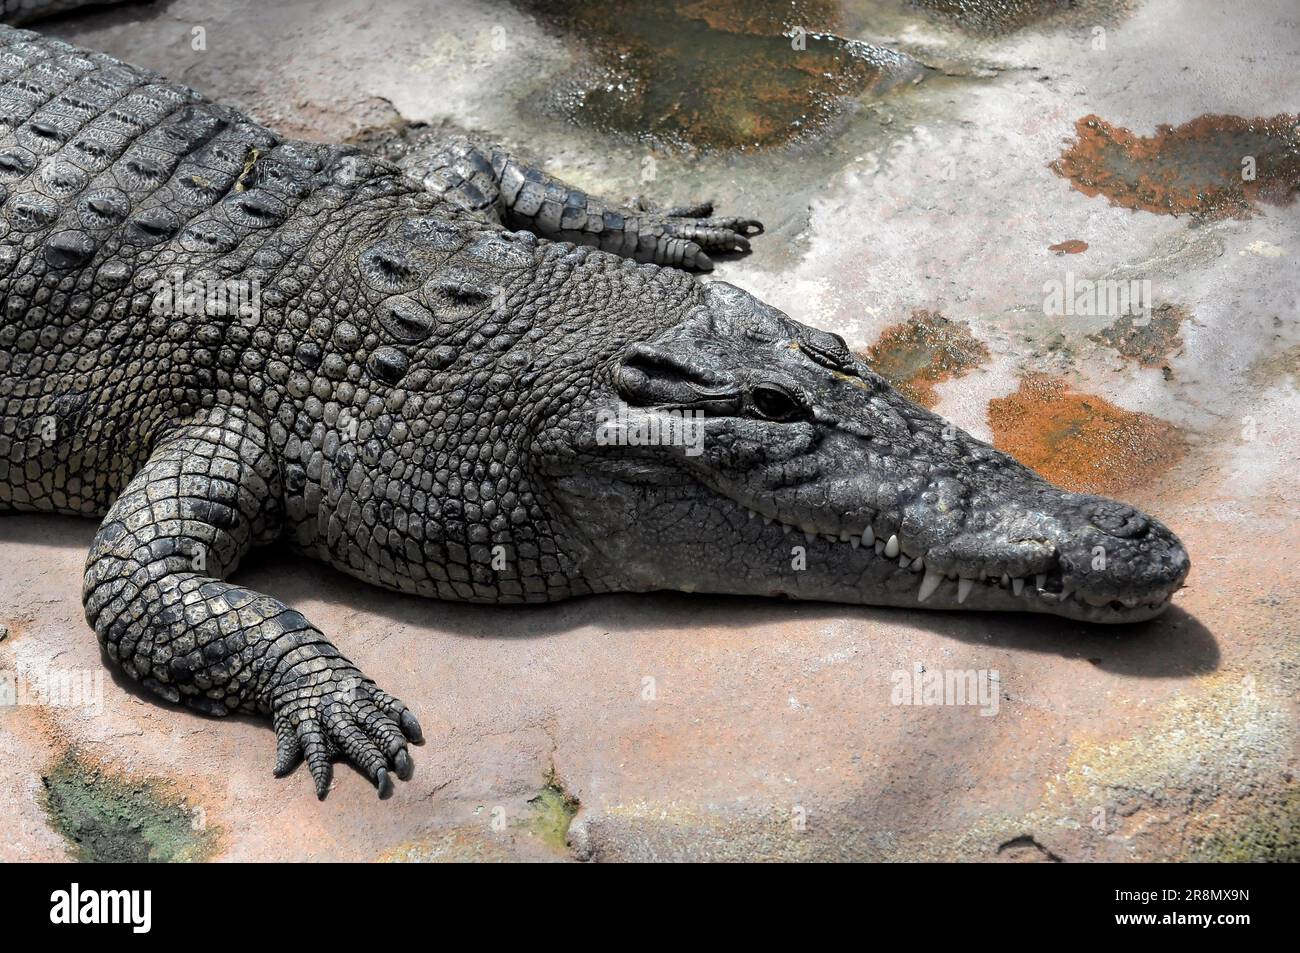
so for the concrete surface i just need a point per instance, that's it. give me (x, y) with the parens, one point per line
(689, 727)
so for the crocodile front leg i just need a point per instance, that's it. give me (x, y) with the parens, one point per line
(492, 181)
(154, 595)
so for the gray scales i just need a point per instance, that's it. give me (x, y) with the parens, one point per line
(409, 380)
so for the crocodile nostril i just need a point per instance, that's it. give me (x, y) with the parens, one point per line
(1118, 519)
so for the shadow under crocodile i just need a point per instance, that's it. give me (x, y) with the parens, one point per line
(1174, 645)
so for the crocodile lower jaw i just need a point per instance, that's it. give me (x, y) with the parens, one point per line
(1027, 593)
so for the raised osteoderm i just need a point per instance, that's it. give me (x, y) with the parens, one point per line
(214, 338)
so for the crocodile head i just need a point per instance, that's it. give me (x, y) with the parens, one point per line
(742, 452)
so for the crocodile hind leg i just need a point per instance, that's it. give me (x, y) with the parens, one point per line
(490, 180)
(155, 596)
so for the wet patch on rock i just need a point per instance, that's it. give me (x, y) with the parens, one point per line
(1082, 442)
(1071, 246)
(108, 818)
(1000, 17)
(1150, 343)
(1213, 167)
(713, 76)
(923, 351)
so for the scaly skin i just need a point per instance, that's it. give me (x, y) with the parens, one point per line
(415, 395)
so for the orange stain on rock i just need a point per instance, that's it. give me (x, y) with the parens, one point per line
(1213, 166)
(1072, 246)
(921, 352)
(1081, 442)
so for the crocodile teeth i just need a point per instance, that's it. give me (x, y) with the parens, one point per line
(1041, 580)
(1017, 585)
(767, 521)
(809, 535)
(930, 583)
(844, 535)
(917, 563)
(891, 547)
(868, 536)
(855, 541)
(880, 547)
(904, 561)
(964, 586)
(787, 529)
(1006, 580)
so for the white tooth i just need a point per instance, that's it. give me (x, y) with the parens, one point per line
(891, 547)
(1006, 580)
(855, 541)
(917, 563)
(930, 583)
(964, 586)
(880, 547)
(1040, 580)
(1017, 585)
(904, 561)
(868, 536)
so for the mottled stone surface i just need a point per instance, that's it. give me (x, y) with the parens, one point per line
(691, 727)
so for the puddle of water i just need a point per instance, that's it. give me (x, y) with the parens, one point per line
(1213, 166)
(1151, 343)
(120, 819)
(1071, 246)
(923, 351)
(713, 76)
(1000, 17)
(1081, 442)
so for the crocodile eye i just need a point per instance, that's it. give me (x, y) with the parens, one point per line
(775, 404)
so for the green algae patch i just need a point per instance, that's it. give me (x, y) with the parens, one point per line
(1265, 828)
(116, 818)
(553, 811)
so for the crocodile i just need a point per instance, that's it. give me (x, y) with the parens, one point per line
(464, 380)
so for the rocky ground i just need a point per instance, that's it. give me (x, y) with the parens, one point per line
(924, 195)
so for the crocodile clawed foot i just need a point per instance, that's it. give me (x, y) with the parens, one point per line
(336, 711)
(726, 235)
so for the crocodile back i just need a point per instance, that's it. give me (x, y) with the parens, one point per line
(118, 190)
